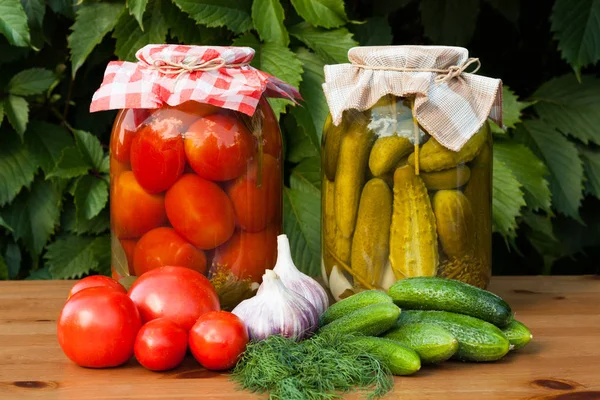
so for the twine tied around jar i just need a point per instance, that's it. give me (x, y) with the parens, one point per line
(167, 67)
(454, 71)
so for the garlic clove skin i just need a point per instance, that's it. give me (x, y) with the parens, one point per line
(277, 310)
(297, 281)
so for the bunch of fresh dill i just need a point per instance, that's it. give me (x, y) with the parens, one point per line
(322, 367)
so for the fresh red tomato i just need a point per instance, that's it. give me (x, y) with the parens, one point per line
(271, 135)
(247, 254)
(133, 210)
(157, 155)
(218, 339)
(218, 147)
(200, 211)
(256, 202)
(160, 345)
(163, 246)
(95, 281)
(177, 293)
(97, 327)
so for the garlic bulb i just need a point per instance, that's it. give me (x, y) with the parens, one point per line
(295, 280)
(276, 310)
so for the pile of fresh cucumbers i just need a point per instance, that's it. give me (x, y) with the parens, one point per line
(440, 319)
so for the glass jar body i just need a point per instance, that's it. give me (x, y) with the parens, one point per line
(197, 186)
(392, 209)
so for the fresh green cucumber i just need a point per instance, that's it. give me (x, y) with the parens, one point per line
(432, 343)
(353, 303)
(478, 340)
(517, 334)
(369, 321)
(400, 359)
(431, 293)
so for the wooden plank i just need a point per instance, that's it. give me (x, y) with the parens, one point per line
(562, 363)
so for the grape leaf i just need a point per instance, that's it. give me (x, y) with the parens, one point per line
(375, 31)
(102, 250)
(13, 23)
(301, 138)
(187, 31)
(40, 274)
(93, 22)
(91, 195)
(130, 37)
(384, 7)
(17, 113)
(234, 14)
(449, 22)
(508, 8)
(3, 269)
(72, 256)
(70, 164)
(507, 200)
(268, 16)
(4, 224)
(331, 45)
(311, 87)
(591, 165)
(564, 164)
(31, 81)
(576, 25)
(306, 176)
(12, 256)
(571, 107)
(325, 13)
(45, 143)
(540, 234)
(302, 224)
(34, 214)
(70, 223)
(62, 7)
(529, 170)
(90, 148)
(137, 8)
(16, 167)
(511, 110)
(35, 11)
(1, 112)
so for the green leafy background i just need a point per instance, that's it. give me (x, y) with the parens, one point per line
(53, 153)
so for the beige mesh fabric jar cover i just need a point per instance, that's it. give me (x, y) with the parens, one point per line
(450, 103)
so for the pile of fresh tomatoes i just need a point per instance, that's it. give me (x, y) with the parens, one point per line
(192, 186)
(164, 312)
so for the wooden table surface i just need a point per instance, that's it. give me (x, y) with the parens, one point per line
(561, 363)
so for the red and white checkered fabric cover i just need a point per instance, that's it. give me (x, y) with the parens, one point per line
(143, 85)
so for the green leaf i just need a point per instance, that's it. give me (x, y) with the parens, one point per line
(70, 164)
(375, 31)
(62, 7)
(93, 22)
(529, 170)
(1, 112)
(234, 14)
(137, 8)
(45, 143)
(268, 16)
(90, 148)
(91, 195)
(302, 224)
(103, 255)
(72, 256)
(35, 11)
(540, 234)
(31, 81)
(4, 224)
(16, 167)
(508, 8)
(331, 45)
(187, 31)
(105, 167)
(511, 110)
(591, 165)
(34, 214)
(3, 269)
(12, 257)
(13, 23)
(384, 7)
(325, 13)
(311, 87)
(131, 38)
(571, 107)
(17, 113)
(302, 140)
(507, 200)
(449, 22)
(306, 176)
(40, 274)
(562, 159)
(576, 25)
(70, 223)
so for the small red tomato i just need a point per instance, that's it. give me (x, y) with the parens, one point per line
(160, 345)
(200, 211)
(177, 293)
(218, 147)
(157, 155)
(97, 327)
(95, 281)
(218, 339)
(163, 246)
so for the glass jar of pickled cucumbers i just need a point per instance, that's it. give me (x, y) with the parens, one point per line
(396, 203)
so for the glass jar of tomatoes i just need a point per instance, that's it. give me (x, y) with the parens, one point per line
(197, 185)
